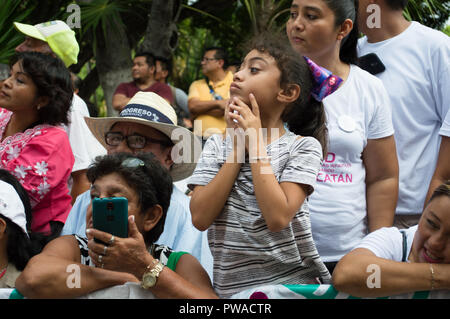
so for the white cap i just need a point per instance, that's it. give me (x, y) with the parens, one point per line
(11, 205)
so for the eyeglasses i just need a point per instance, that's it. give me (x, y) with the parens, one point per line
(135, 141)
(208, 59)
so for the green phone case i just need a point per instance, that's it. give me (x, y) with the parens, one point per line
(110, 215)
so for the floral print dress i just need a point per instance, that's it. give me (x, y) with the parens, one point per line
(42, 160)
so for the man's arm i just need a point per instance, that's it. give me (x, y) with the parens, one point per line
(80, 184)
(119, 101)
(214, 107)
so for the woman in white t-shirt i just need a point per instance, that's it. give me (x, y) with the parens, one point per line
(357, 187)
(386, 264)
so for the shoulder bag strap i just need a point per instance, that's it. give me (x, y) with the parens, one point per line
(405, 246)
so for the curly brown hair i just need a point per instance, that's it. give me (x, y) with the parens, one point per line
(53, 80)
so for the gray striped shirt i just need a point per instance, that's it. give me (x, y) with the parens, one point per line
(246, 254)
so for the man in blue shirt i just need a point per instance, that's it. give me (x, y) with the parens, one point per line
(147, 124)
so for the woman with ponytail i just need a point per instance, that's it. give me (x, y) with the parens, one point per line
(250, 187)
(357, 185)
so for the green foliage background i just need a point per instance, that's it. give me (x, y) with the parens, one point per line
(202, 23)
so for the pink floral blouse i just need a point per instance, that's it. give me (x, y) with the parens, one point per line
(42, 160)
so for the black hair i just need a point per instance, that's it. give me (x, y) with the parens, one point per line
(152, 182)
(20, 248)
(149, 58)
(305, 116)
(346, 9)
(441, 190)
(53, 80)
(76, 81)
(166, 64)
(220, 54)
(397, 4)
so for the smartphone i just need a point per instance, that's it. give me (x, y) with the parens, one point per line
(371, 63)
(110, 215)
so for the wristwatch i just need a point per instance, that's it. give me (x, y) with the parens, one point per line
(151, 274)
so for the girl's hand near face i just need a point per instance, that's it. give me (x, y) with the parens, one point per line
(228, 119)
(248, 119)
(235, 133)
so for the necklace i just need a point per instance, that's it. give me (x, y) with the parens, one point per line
(3, 271)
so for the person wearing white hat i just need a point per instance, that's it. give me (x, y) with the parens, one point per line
(148, 124)
(15, 215)
(57, 39)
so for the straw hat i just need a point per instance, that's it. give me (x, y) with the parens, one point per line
(148, 108)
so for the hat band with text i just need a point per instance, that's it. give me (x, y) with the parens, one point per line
(145, 112)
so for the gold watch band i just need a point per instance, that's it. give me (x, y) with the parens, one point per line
(151, 274)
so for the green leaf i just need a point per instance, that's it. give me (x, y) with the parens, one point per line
(12, 11)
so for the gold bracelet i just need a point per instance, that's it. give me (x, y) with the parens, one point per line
(151, 266)
(432, 276)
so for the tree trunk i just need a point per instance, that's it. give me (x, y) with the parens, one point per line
(113, 58)
(161, 35)
(4, 71)
(89, 85)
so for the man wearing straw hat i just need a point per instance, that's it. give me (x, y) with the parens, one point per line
(148, 124)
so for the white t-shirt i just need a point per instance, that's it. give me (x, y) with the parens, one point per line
(359, 110)
(85, 146)
(417, 78)
(387, 242)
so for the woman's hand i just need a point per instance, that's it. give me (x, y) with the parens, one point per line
(120, 254)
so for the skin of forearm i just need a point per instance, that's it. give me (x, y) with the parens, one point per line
(204, 210)
(80, 184)
(442, 170)
(352, 275)
(198, 107)
(172, 286)
(381, 203)
(271, 198)
(119, 102)
(435, 183)
(48, 277)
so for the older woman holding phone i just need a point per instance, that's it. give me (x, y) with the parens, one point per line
(167, 274)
